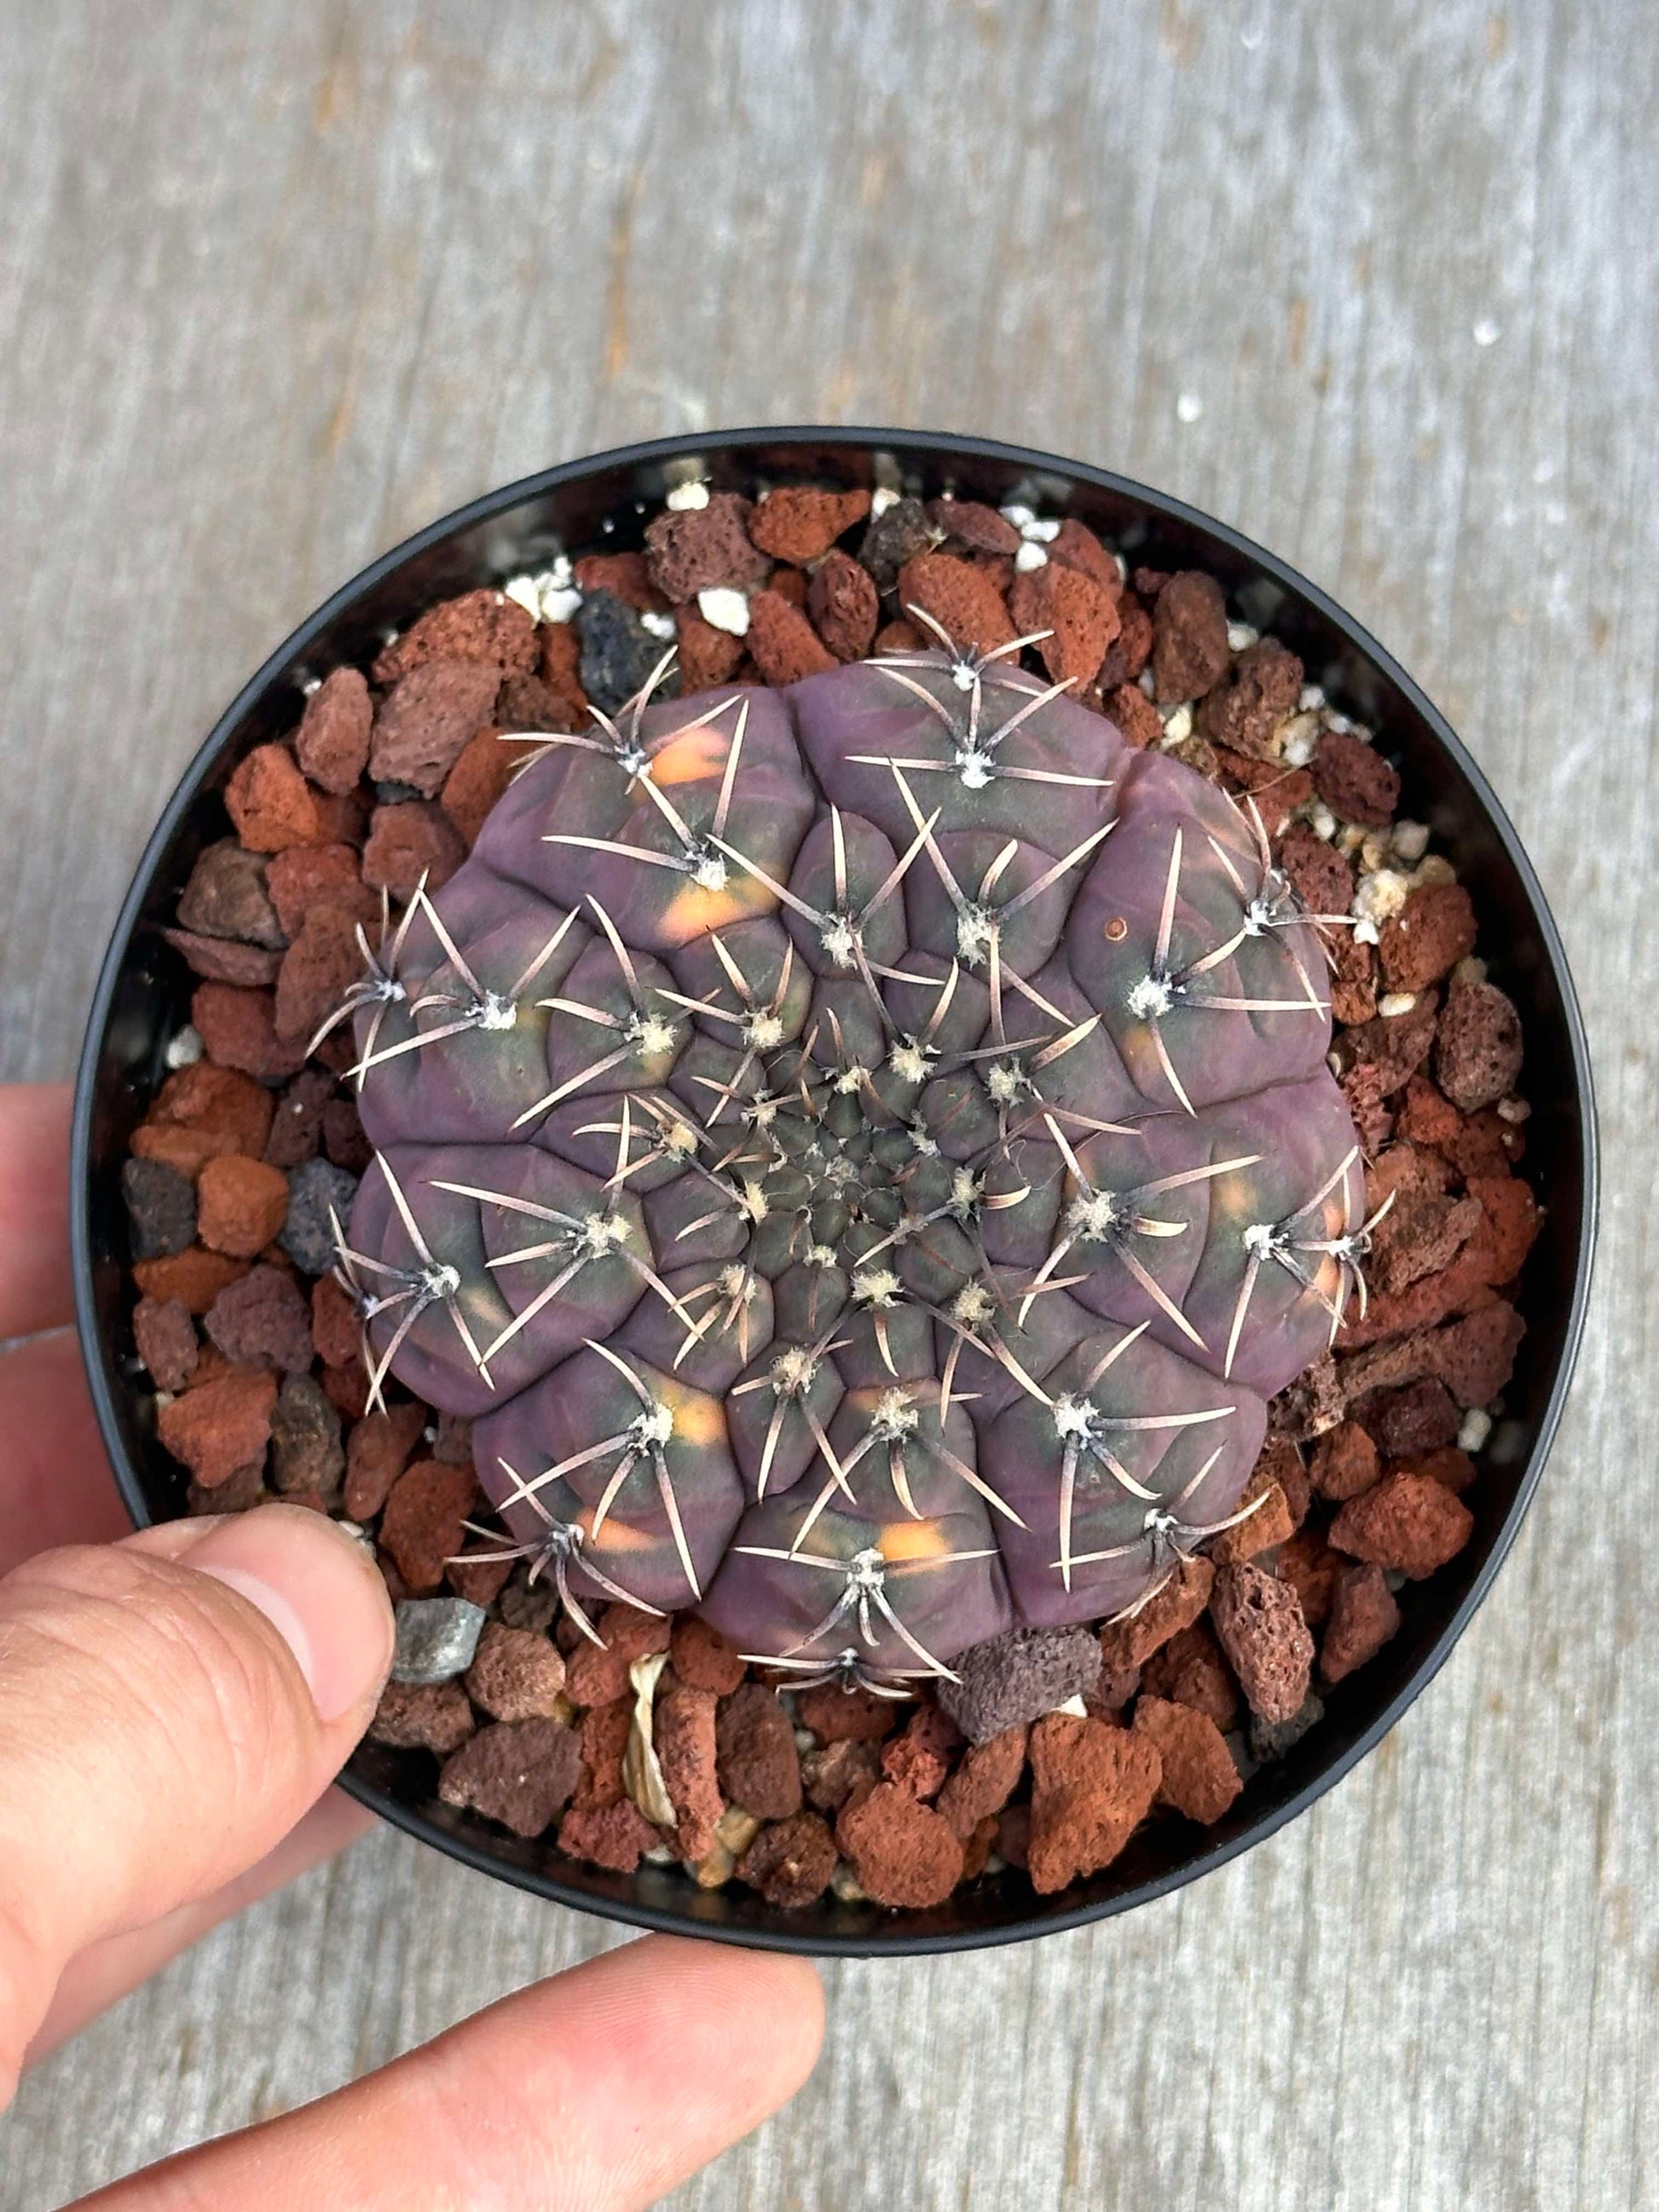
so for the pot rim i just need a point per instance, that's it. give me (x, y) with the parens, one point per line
(892, 1939)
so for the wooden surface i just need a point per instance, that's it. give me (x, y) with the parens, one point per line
(283, 281)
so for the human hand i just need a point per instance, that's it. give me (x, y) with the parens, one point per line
(173, 1705)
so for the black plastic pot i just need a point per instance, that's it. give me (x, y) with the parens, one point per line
(142, 997)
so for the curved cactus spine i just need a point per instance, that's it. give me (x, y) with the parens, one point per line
(864, 1156)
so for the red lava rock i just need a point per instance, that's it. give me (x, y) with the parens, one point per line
(900, 637)
(1091, 1786)
(831, 1774)
(297, 1125)
(516, 1677)
(838, 1715)
(896, 537)
(1317, 871)
(1406, 1522)
(421, 1523)
(707, 656)
(1198, 1777)
(1259, 1623)
(1312, 1404)
(482, 770)
(1426, 1117)
(789, 584)
(1423, 1304)
(683, 1732)
(1420, 1417)
(759, 1764)
(1075, 546)
(796, 524)
(347, 1388)
(561, 653)
(453, 1443)
(1421, 1235)
(1276, 791)
(605, 1731)
(1362, 1091)
(241, 1204)
(518, 1773)
(222, 1425)
(919, 1759)
(616, 1835)
(1191, 1671)
(1449, 1466)
(195, 1276)
(1013, 1838)
(699, 549)
(1479, 1048)
(1136, 717)
(1267, 1522)
(1512, 1221)
(790, 1862)
(595, 1675)
(525, 703)
(1113, 1689)
(483, 626)
(318, 970)
(785, 645)
(1308, 1564)
(1354, 780)
(342, 1137)
(166, 1338)
(1363, 1616)
(1487, 1145)
(1431, 933)
(703, 1660)
(378, 1450)
(239, 1492)
(633, 1633)
(1261, 687)
(480, 1580)
(426, 721)
(239, 1029)
(1345, 1462)
(407, 841)
(335, 1328)
(423, 1717)
(270, 802)
(961, 599)
(306, 1460)
(904, 1853)
(261, 1320)
(626, 576)
(1082, 618)
(969, 525)
(331, 743)
(987, 1779)
(1183, 1598)
(842, 601)
(1126, 661)
(1189, 637)
(222, 962)
(313, 876)
(228, 896)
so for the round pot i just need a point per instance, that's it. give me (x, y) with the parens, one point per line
(142, 997)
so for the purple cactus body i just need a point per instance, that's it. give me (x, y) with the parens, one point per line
(862, 1154)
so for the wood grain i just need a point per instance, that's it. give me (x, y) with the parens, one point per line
(283, 280)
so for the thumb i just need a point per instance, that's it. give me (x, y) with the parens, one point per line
(170, 1705)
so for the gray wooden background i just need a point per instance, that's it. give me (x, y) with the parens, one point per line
(1374, 279)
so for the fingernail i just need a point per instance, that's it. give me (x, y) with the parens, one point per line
(317, 1587)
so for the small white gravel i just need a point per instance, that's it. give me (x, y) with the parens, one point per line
(722, 607)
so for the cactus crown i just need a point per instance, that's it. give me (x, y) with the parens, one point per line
(862, 1155)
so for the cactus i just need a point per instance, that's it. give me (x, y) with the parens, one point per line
(862, 1154)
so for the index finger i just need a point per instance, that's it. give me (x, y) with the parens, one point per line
(36, 1292)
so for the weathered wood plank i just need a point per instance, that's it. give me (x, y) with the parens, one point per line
(282, 281)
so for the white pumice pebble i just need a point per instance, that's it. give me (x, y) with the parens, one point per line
(1365, 932)
(685, 497)
(310, 684)
(1393, 1004)
(1474, 1430)
(882, 498)
(661, 627)
(1016, 514)
(1241, 637)
(845, 1884)
(722, 607)
(1312, 698)
(1178, 723)
(1410, 839)
(1075, 1706)
(1029, 556)
(1040, 531)
(1298, 748)
(1434, 868)
(1147, 682)
(1381, 894)
(1515, 1111)
(183, 1048)
(1321, 822)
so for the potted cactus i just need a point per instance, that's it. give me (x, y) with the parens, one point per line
(819, 1184)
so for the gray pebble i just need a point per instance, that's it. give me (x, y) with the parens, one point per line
(437, 1638)
(1018, 1677)
(306, 1235)
(160, 1206)
(1273, 1739)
